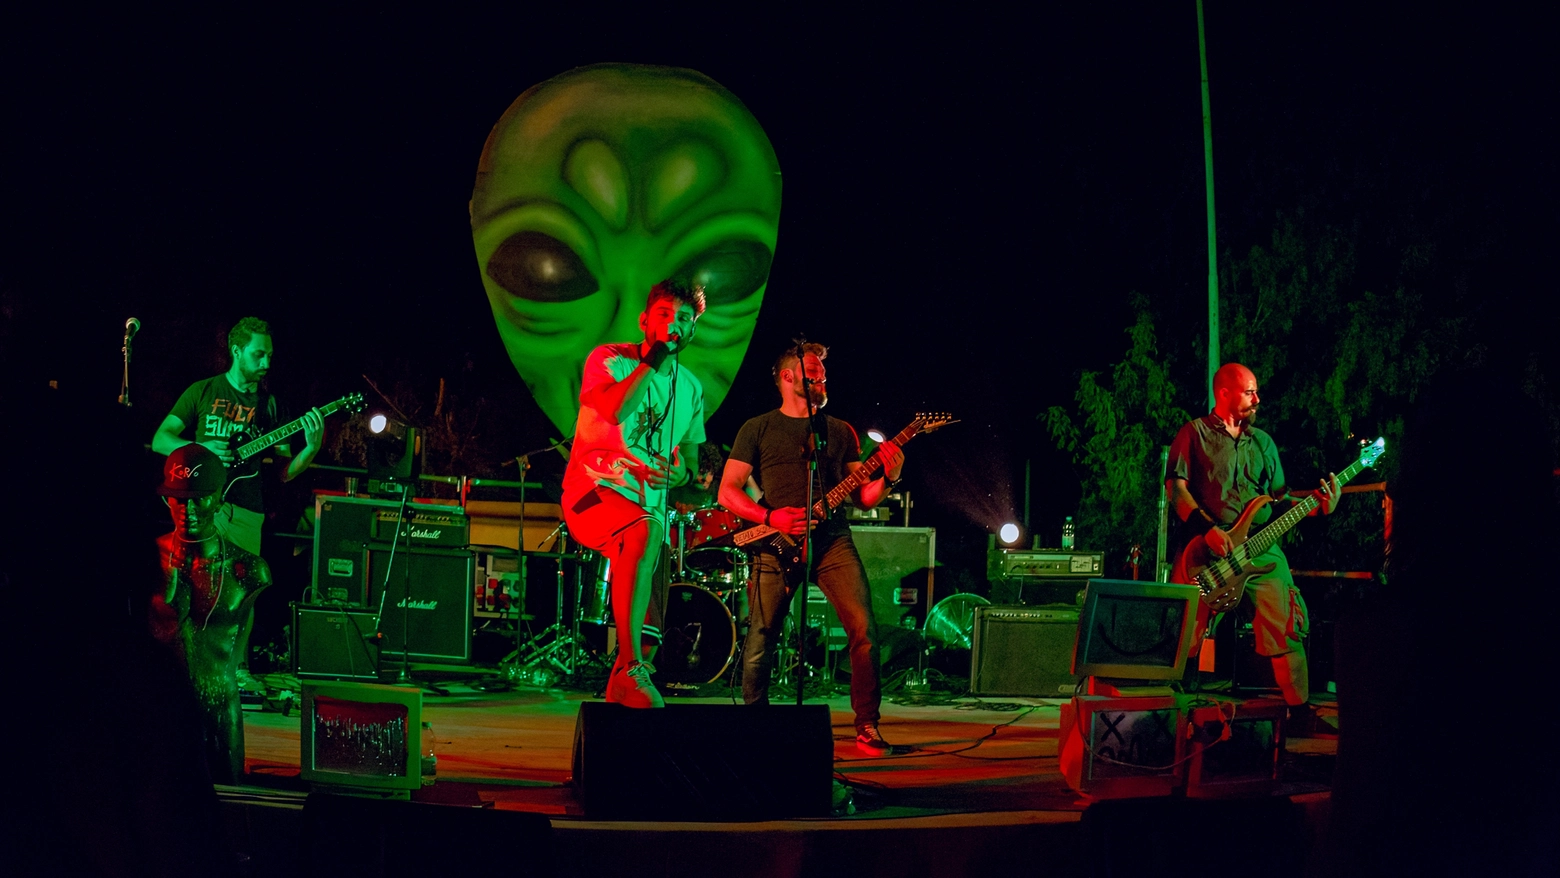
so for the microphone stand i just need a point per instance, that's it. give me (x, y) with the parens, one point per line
(819, 441)
(124, 382)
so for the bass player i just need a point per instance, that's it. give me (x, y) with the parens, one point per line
(1218, 464)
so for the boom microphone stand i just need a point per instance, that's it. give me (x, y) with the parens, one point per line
(819, 441)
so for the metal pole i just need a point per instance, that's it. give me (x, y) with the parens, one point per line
(1213, 250)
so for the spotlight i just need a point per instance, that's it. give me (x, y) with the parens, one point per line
(394, 451)
(1009, 534)
(876, 436)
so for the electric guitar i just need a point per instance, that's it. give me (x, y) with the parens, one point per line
(754, 537)
(244, 448)
(1223, 580)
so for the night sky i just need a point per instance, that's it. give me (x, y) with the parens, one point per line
(969, 199)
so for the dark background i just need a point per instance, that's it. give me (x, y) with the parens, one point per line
(969, 199)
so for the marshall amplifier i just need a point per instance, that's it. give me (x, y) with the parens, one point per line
(432, 590)
(442, 526)
(344, 526)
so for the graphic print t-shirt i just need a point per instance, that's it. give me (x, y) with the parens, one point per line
(212, 409)
(613, 455)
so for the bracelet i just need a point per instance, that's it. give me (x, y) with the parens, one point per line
(767, 513)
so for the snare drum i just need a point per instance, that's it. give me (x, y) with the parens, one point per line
(699, 637)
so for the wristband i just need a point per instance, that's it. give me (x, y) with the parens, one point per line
(1200, 521)
(767, 513)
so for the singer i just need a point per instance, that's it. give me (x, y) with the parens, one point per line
(638, 432)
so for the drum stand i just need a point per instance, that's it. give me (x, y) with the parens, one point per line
(559, 646)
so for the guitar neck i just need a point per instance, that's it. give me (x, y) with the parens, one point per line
(1268, 536)
(250, 449)
(866, 473)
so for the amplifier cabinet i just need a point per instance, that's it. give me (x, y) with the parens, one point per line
(434, 598)
(344, 526)
(334, 643)
(1024, 650)
(900, 562)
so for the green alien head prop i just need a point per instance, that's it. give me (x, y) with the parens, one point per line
(598, 183)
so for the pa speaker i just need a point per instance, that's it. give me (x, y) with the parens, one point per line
(707, 762)
(349, 836)
(899, 563)
(1023, 651)
(436, 602)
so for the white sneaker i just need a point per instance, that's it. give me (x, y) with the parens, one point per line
(631, 686)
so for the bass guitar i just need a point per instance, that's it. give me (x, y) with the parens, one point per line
(1222, 581)
(245, 448)
(755, 537)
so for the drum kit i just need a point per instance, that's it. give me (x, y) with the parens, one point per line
(705, 610)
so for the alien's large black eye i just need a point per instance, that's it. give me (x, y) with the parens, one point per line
(540, 268)
(730, 271)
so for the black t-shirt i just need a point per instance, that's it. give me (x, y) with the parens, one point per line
(213, 409)
(776, 446)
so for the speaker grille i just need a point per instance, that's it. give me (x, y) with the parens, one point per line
(1025, 651)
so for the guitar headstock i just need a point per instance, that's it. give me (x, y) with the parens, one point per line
(1372, 451)
(353, 403)
(932, 421)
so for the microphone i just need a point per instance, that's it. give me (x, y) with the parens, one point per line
(132, 326)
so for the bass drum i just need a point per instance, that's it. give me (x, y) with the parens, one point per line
(698, 637)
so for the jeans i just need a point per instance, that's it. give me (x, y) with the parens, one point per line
(839, 574)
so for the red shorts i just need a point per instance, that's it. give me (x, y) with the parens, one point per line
(597, 520)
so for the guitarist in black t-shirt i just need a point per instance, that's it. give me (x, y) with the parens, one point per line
(217, 408)
(222, 405)
(773, 449)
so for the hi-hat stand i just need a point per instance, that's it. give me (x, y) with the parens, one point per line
(557, 650)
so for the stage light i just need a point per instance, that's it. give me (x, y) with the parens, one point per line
(1010, 534)
(377, 423)
(394, 451)
(876, 436)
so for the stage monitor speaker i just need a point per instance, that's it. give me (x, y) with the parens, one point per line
(334, 643)
(443, 585)
(1020, 650)
(672, 764)
(900, 562)
(350, 836)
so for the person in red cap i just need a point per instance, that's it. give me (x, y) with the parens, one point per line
(209, 587)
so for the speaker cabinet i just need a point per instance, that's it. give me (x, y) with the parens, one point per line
(1019, 650)
(334, 643)
(900, 562)
(707, 762)
(439, 606)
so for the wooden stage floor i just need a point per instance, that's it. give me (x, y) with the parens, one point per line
(981, 771)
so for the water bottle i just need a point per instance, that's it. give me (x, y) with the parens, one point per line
(1068, 533)
(430, 759)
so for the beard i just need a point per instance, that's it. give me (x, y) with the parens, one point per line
(820, 396)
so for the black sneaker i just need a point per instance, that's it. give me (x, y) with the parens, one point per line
(870, 741)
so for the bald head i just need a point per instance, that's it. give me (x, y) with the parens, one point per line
(1235, 392)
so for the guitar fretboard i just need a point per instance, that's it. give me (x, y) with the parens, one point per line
(1265, 538)
(868, 471)
(250, 449)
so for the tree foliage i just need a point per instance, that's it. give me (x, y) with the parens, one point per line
(1114, 438)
